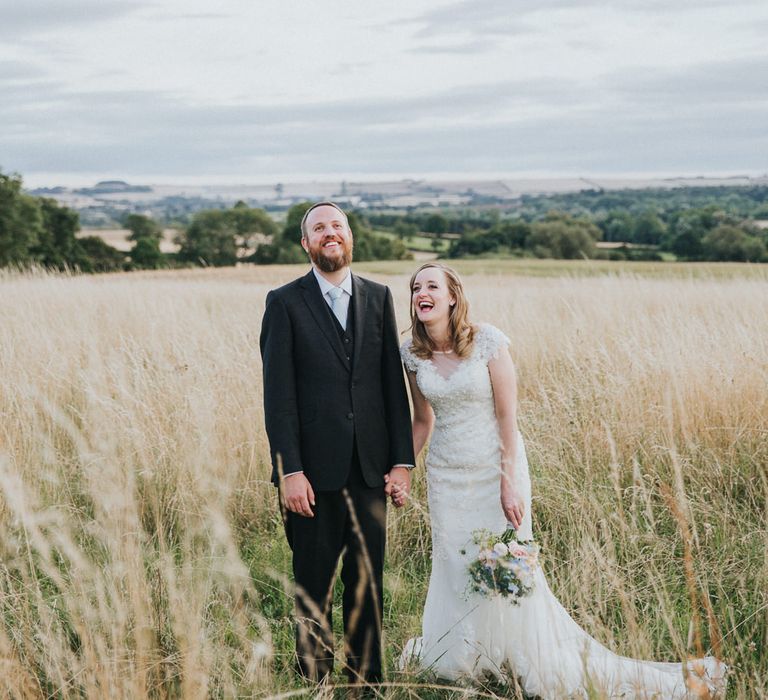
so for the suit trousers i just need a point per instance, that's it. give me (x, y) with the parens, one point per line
(349, 524)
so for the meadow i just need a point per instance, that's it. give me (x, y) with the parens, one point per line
(141, 552)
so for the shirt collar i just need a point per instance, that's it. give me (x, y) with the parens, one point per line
(325, 285)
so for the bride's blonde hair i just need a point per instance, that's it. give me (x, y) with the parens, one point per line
(462, 332)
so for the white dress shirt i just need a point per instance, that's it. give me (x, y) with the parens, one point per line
(345, 286)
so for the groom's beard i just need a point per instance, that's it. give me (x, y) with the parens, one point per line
(326, 263)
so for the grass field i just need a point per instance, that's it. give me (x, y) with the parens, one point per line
(141, 554)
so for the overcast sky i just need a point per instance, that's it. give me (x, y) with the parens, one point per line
(266, 90)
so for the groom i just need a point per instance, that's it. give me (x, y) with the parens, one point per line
(338, 421)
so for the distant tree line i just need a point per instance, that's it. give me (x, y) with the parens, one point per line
(557, 235)
(705, 234)
(689, 235)
(38, 230)
(652, 224)
(746, 202)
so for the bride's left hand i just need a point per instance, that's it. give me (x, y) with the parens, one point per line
(513, 505)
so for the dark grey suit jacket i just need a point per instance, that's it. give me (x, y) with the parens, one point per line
(318, 403)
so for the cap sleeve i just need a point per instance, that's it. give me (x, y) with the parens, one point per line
(490, 341)
(409, 359)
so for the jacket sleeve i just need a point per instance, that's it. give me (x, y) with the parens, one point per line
(395, 394)
(281, 416)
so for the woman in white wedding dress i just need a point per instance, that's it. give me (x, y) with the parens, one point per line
(464, 392)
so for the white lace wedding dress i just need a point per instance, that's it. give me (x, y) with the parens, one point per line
(466, 635)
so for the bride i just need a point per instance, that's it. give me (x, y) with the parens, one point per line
(463, 385)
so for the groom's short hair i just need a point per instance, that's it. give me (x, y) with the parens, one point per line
(315, 206)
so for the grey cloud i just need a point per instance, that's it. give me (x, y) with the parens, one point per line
(40, 105)
(740, 81)
(649, 122)
(468, 47)
(11, 71)
(501, 17)
(204, 15)
(592, 144)
(483, 17)
(490, 19)
(759, 27)
(347, 67)
(166, 17)
(665, 6)
(33, 16)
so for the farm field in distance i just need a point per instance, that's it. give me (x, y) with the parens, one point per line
(140, 542)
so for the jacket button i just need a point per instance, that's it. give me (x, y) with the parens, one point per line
(354, 384)
(350, 415)
(346, 340)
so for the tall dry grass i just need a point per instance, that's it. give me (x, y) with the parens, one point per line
(141, 552)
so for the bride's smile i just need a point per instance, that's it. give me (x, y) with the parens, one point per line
(430, 296)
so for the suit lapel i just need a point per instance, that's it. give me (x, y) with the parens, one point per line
(319, 309)
(359, 304)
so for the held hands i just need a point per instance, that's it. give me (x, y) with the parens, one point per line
(298, 496)
(512, 503)
(398, 485)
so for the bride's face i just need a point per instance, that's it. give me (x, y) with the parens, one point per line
(430, 296)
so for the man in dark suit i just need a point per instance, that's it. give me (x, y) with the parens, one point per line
(338, 423)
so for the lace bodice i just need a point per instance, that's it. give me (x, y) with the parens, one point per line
(464, 451)
(466, 432)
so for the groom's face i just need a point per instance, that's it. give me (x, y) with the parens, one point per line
(328, 239)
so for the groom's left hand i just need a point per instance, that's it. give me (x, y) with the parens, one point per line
(398, 485)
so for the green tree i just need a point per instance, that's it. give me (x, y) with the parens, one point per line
(251, 225)
(94, 255)
(57, 245)
(222, 237)
(510, 234)
(727, 242)
(383, 248)
(471, 243)
(279, 253)
(405, 230)
(21, 222)
(649, 229)
(504, 238)
(146, 254)
(291, 232)
(437, 224)
(618, 226)
(562, 236)
(209, 240)
(142, 226)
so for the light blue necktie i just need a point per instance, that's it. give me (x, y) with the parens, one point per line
(337, 306)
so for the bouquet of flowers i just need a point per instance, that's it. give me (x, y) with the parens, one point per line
(503, 567)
